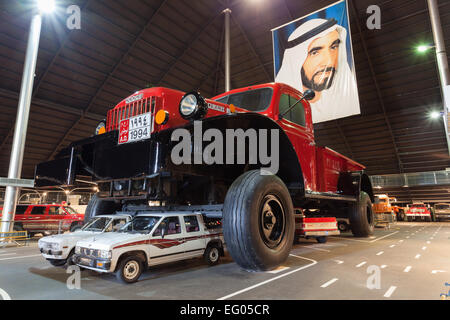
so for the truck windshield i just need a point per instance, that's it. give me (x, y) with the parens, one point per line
(253, 100)
(443, 206)
(140, 225)
(97, 224)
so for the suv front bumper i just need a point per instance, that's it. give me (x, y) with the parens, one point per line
(97, 264)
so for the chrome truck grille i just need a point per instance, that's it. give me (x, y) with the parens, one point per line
(130, 110)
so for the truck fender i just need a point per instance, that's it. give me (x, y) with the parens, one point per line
(352, 183)
(289, 169)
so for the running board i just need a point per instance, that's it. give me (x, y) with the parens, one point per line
(329, 196)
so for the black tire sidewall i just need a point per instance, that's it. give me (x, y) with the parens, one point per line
(208, 251)
(249, 191)
(121, 267)
(359, 223)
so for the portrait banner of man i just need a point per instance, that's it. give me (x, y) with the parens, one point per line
(315, 52)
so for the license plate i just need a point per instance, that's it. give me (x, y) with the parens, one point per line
(85, 261)
(135, 128)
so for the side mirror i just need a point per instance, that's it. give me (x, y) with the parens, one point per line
(309, 95)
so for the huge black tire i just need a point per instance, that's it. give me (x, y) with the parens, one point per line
(97, 206)
(258, 221)
(361, 216)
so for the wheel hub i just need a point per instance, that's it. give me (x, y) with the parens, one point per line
(272, 221)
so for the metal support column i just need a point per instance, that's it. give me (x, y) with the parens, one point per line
(227, 49)
(442, 62)
(20, 131)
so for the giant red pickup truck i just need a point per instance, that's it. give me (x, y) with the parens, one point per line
(247, 156)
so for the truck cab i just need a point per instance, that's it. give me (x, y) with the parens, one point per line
(150, 239)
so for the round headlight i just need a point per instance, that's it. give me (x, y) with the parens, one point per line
(193, 106)
(118, 185)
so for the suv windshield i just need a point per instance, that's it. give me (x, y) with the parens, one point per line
(252, 100)
(70, 210)
(97, 224)
(140, 225)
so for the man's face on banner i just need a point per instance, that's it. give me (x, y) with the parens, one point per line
(321, 63)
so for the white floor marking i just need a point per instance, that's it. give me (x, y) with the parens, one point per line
(329, 283)
(380, 253)
(388, 235)
(316, 248)
(417, 256)
(4, 295)
(383, 266)
(391, 246)
(428, 242)
(361, 264)
(424, 248)
(35, 255)
(407, 269)
(273, 279)
(390, 291)
(407, 237)
(436, 271)
(7, 254)
(401, 240)
(278, 270)
(339, 261)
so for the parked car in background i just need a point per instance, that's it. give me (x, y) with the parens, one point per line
(418, 212)
(398, 210)
(442, 211)
(382, 209)
(58, 249)
(46, 218)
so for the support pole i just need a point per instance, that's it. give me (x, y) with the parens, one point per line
(20, 131)
(442, 62)
(227, 49)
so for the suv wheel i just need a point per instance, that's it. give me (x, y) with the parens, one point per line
(129, 270)
(212, 255)
(258, 221)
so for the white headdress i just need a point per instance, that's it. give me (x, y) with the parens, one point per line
(341, 99)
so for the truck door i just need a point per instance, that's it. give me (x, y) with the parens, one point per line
(195, 242)
(297, 124)
(171, 247)
(37, 220)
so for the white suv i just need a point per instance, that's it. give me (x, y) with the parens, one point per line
(58, 249)
(150, 239)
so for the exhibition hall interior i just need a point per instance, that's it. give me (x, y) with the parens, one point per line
(235, 151)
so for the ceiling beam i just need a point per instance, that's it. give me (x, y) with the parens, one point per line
(108, 78)
(377, 87)
(189, 45)
(252, 48)
(41, 78)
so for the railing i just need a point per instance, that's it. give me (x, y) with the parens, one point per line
(129, 110)
(412, 179)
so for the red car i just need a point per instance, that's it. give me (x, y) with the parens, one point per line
(418, 212)
(46, 218)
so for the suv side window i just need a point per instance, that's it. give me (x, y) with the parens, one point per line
(191, 224)
(38, 210)
(297, 114)
(54, 210)
(170, 224)
(21, 209)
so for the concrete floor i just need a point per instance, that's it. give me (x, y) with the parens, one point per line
(412, 260)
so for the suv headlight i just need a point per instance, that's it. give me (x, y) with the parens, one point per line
(77, 250)
(104, 254)
(193, 106)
